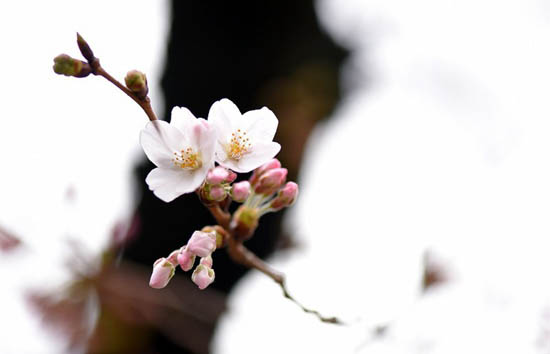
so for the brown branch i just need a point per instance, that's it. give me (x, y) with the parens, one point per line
(144, 102)
(222, 218)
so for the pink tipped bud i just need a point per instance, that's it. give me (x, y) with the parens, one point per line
(271, 181)
(286, 196)
(202, 244)
(203, 276)
(217, 193)
(274, 163)
(186, 259)
(163, 271)
(240, 191)
(173, 257)
(217, 175)
(231, 177)
(207, 261)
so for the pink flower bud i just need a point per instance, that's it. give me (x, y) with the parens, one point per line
(231, 177)
(286, 196)
(202, 244)
(240, 191)
(217, 193)
(203, 276)
(271, 164)
(173, 257)
(163, 271)
(217, 175)
(207, 261)
(271, 181)
(186, 259)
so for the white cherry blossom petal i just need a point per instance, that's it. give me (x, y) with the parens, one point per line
(159, 140)
(223, 115)
(262, 152)
(168, 184)
(203, 138)
(182, 119)
(261, 124)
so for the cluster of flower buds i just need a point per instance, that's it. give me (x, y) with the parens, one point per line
(268, 193)
(216, 186)
(201, 244)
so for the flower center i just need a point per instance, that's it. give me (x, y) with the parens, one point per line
(187, 159)
(239, 145)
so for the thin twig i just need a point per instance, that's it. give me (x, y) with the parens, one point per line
(240, 254)
(222, 218)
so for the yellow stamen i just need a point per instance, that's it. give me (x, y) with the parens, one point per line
(187, 159)
(239, 145)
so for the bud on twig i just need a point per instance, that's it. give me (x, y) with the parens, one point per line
(271, 181)
(286, 196)
(203, 276)
(84, 48)
(245, 221)
(202, 244)
(240, 191)
(185, 259)
(163, 271)
(63, 64)
(274, 163)
(217, 175)
(136, 81)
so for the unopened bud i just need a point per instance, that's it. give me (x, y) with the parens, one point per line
(136, 81)
(203, 276)
(271, 164)
(231, 177)
(207, 261)
(163, 271)
(185, 259)
(217, 175)
(84, 48)
(220, 232)
(68, 66)
(240, 191)
(286, 196)
(217, 193)
(202, 244)
(244, 222)
(173, 257)
(270, 181)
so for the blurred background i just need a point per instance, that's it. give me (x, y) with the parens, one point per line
(418, 132)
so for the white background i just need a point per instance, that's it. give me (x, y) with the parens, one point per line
(446, 149)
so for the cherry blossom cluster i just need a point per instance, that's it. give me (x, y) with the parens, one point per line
(204, 156)
(200, 244)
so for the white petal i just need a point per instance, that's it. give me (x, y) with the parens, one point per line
(261, 124)
(261, 153)
(220, 154)
(203, 139)
(168, 184)
(224, 116)
(160, 140)
(182, 118)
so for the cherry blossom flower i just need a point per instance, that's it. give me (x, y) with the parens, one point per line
(244, 141)
(183, 152)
